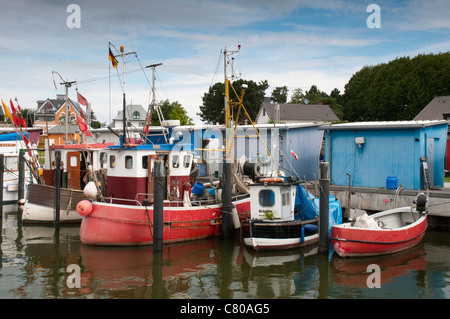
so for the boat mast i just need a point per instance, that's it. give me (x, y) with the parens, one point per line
(227, 161)
(123, 55)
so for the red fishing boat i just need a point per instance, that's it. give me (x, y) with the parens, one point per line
(125, 216)
(382, 233)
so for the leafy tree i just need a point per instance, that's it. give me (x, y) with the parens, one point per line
(279, 94)
(315, 96)
(397, 90)
(171, 111)
(94, 122)
(298, 97)
(212, 111)
(179, 113)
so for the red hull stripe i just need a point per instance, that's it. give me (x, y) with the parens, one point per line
(380, 242)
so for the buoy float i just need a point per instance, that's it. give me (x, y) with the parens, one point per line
(90, 190)
(84, 207)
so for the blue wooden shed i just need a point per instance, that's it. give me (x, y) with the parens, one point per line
(374, 153)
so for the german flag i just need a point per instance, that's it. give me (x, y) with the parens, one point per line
(112, 58)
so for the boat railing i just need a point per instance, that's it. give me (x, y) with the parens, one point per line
(169, 203)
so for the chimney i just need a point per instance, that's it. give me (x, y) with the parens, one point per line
(277, 113)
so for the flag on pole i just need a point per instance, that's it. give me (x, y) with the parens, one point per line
(293, 154)
(81, 99)
(113, 59)
(83, 127)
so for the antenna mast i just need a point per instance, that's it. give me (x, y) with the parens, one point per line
(153, 105)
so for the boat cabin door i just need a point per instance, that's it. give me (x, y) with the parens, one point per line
(73, 170)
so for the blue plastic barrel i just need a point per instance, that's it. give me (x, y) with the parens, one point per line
(391, 182)
(197, 189)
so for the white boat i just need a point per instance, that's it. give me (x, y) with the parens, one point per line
(80, 163)
(284, 215)
(10, 146)
(272, 225)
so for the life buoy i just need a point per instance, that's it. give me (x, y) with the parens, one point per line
(271, 179)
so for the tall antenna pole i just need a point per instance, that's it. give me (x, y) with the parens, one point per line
(153, 103)
(67, 84)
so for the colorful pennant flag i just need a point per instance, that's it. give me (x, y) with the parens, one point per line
(83, 127)
(7, 113)
(81, 99)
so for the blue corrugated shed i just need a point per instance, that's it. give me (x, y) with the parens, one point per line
(304, 139)
(373, 151)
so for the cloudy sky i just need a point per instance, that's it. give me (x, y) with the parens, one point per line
(297, 43)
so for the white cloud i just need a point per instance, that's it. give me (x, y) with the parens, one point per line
(278, 44)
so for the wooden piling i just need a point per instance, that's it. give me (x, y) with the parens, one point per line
(2, 169)
(324, 182)
(57, 189)
(227, 200)
(159, 174)
(21, 180)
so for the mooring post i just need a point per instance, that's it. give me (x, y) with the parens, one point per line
(57, 189)
(226, 200)
(2, 168)
(324, 181)
(21, 192)
(158, 204)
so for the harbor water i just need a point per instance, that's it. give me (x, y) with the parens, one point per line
(41, 262)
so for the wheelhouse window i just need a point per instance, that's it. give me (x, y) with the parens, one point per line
(145, 162)
(175, 161)
(285, 199)
(266, 197)
(112, 161)
(186, 161)
(128, 162)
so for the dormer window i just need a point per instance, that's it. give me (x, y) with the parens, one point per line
(136, 115)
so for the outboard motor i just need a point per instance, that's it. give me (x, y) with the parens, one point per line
(421, 203)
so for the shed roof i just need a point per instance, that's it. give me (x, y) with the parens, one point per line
(302, 112)
(382, 125)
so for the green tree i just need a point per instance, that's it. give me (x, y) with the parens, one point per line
(397, 90)
(279, 94)
(171, 111)
(94, 122)
(212, 110)
(315, 96)
(298, 97)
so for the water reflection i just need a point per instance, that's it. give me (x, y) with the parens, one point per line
(35, 259)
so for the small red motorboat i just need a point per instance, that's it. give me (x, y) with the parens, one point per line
(382, 233)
